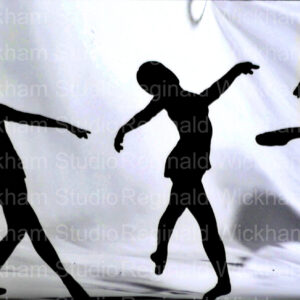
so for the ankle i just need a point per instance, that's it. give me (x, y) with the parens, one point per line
(161, 250)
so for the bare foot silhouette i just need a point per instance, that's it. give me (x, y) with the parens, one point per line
(160, 260)
(223, 287)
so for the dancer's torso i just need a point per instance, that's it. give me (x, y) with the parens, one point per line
(190, 115)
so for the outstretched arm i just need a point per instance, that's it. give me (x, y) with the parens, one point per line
(10, 114)
(220, 86)
(144, 116)
(279, 137)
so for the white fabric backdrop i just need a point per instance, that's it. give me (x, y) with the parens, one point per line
(76, 61)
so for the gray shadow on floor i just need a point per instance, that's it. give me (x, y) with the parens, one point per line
(265, 219)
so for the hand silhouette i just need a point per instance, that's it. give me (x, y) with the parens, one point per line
(118, 142)
(80, 133)
(246, 68)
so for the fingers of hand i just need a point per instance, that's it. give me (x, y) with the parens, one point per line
(253, 66)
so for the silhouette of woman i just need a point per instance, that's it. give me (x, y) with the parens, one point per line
(282, 136)
(188, 161)
(19, 214)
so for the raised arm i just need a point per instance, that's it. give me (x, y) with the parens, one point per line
(220, 86)
(10, 114)
(144, 116)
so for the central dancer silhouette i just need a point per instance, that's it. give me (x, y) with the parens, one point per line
(19, 215)
(188, 161)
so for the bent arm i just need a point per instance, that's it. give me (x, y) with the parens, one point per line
(144, 116)
(220, 86)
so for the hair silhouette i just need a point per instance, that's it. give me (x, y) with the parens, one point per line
(188, 161)
(19, 215)
(282, 136)
(153, 75)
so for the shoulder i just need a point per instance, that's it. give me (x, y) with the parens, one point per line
(158, 102)
(201, 100)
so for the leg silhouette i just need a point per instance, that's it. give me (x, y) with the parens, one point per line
(15, 230)
(279, 137)
(21, 219)
(212, 243)
(46, 251)
(8, 245)
(165, 228)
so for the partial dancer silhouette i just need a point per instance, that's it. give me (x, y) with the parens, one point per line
(278, 137)
(282, 136)
(297, 91)
(19, 215)
(188, 161)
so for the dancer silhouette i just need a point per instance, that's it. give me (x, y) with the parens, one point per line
(188, 161)
(282, 136)
(19, 215)
(297, 91)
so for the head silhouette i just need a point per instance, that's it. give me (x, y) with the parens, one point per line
(154, 77)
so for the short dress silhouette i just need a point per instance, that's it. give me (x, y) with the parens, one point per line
(190, 157)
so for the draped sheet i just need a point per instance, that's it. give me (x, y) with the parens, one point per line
(76, 61)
